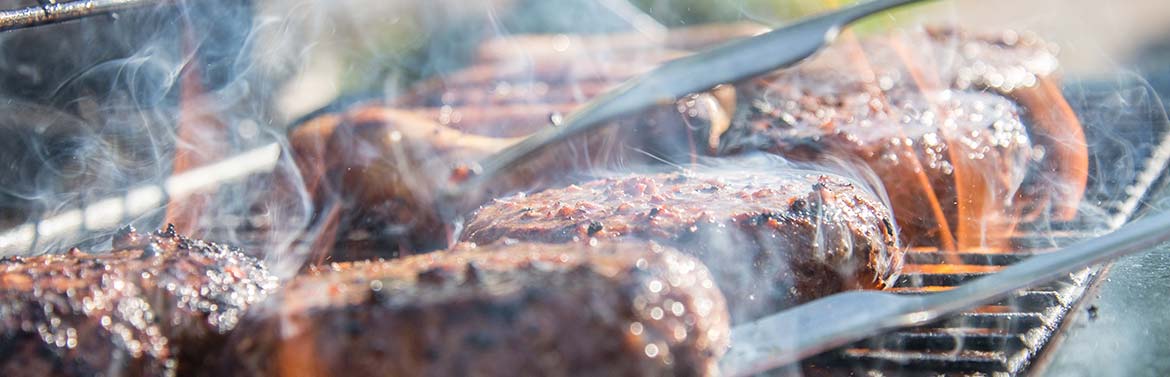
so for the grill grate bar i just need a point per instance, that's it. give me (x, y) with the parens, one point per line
(1056, 286)
(976, 259)
(1013, 322)
(948, 341)
(966, 360)
(936, 280)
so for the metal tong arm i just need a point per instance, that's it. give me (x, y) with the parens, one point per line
(838, 320)
(732, 62)
(52, 11)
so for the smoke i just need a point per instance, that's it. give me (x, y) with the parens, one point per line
(104, 116)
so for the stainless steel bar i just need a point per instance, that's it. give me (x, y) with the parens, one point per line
(54, 12)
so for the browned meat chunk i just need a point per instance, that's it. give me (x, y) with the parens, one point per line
(921, 110)
(382, 167)
(155, 305)
(772, 237)
(631, 308)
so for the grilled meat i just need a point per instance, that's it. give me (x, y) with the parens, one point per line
(630, 308)
(771, 237)
(975, 143)
(380, 165)
(155, 305)
(937, 114)
(383, 166)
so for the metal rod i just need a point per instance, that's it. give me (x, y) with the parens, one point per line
(55, 12)
(110, 213)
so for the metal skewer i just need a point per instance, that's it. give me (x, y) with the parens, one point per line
(728, 63)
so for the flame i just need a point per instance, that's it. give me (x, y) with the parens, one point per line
(863, 66)
(1059, 130)
(975, 199)
(201, 137)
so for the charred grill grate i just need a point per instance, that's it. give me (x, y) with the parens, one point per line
(1130, 139)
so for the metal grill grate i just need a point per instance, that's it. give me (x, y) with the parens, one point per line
(1130, 136)
(998, 338)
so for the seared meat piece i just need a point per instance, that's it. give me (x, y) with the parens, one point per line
(630, 308)
(155, 305)
(772, 237)
(969, 141)
(381, 168)
(954, 158)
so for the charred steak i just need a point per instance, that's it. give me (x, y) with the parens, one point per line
(153, 306)
(771, 237)
(940, 116)
(631, 308)
(381, 167)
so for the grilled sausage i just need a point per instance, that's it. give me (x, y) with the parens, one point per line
(383, 166)
(633, 308)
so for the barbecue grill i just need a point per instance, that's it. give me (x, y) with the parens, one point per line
(1009, 337)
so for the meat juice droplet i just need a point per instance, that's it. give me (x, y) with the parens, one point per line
(636, 328)
(651, 350)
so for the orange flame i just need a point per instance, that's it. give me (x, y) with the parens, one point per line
(864, 67)
(200, 139)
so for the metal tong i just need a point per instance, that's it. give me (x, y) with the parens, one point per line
(729, 63)
(843, 318)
